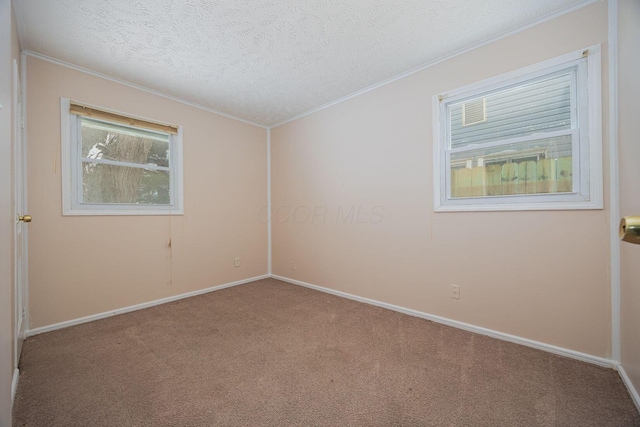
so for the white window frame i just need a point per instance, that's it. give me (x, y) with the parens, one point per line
(587, 147)
(72, 172)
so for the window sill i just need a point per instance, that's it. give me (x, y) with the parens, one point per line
(122, 212)
(542, 206)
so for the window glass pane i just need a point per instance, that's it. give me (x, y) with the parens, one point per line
(541, 105)
(103, 183)
(109, 141)
(532, 167)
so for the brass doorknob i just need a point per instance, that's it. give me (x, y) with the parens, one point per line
(25, 218)
(630, 229)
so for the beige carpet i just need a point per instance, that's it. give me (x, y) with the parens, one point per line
(274, 354)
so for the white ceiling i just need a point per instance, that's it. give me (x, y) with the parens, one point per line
(265, 61)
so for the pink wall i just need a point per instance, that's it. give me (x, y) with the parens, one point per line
(629, 142)
(538, 275)
(81, 266)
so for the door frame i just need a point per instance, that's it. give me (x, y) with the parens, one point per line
(21, 269)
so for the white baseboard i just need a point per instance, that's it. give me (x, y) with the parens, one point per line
(632, 390)
(73, 322)
(600, 361)
(14, 384)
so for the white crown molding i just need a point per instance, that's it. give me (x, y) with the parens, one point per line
(600, 361)
(614, 179)
(441, 59)
(86, 319)
(21, 29)
(139, 87)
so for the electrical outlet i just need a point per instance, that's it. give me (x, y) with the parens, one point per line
(293, 265)
(236, 262)
(455, 291)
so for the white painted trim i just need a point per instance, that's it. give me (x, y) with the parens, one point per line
(614, 181)
(589, 194)
(25, 291)
(596, 171)
(632, 390)
(600, 361)
(139, 87)
(14, 384)
(269, 201)
(19, 199)
(441, 59)
(407, 73)
(146, 166)
(523, 74)
(533, 206)
(91, 318)
(71, 171)
(144, 210)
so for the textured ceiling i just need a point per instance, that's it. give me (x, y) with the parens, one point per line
(264, 60)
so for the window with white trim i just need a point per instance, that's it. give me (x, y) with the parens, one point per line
(527, 140)
(115, 164)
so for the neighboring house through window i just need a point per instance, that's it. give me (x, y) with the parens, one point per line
(530, 139)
